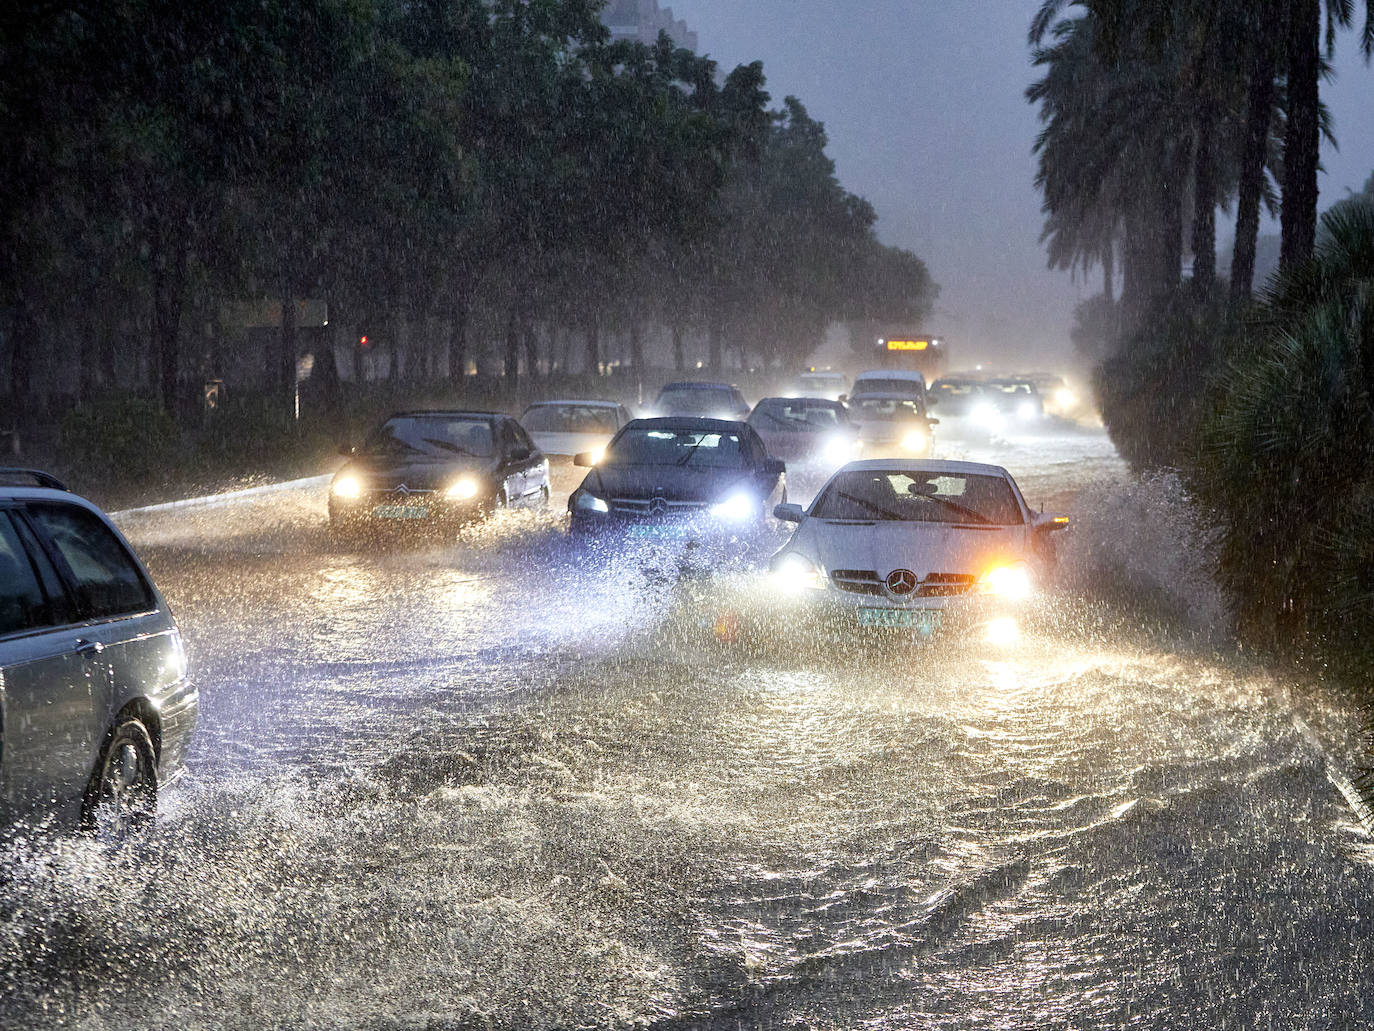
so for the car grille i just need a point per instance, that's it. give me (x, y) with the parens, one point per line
(936, 585)
(640, 507)
(396, 497)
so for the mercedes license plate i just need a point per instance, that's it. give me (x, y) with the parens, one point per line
(926, 621)
(400, 512)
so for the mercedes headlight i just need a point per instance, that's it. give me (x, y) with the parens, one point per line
(1027, 410)
(464, 490)
(1010, 582)
(735, 509)
(586, 501)
(794, 573)
(347, 487)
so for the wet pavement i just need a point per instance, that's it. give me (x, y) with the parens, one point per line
(500, 781)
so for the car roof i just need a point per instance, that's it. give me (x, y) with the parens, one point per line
(881, 395)
(925, 465)
(10, 492)
(890, 374)
(687, 422)
(574, 401)
(446, 412)
(822, 402)
(696, 385)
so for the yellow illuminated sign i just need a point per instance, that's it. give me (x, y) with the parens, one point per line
(907, 345)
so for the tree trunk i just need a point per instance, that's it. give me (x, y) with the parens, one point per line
(286, 355)
(1108, 269)
(169, 288)
(513, 349)
(458, 343)
(23, 346)
(1204, 206)
(1302, 147)
(715, 340)
(1254, 156)
(637, 357)
(1170, 252)
(679, 358)
(593, 347)
(530, 336)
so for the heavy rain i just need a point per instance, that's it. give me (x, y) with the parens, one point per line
(624, 579)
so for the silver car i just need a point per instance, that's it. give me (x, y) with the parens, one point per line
(96, 710)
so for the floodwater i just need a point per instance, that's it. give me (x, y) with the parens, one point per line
(501, 782)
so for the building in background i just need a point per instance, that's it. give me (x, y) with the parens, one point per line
(643, 20)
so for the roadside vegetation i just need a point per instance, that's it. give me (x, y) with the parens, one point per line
(1157, 116)
(473, 199)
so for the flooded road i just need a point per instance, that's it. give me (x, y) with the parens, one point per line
(501, 782)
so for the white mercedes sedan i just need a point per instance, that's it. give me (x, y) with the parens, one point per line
(920, 545)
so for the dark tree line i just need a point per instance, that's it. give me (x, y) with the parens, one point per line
(475, 181)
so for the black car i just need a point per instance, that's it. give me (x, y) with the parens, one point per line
(702, 400)
(423, 468)
(677, 475)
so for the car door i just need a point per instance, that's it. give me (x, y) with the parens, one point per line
(119, 612)
(510, 467)
(534, 467)
(53, 680)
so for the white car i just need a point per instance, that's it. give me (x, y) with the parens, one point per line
(573, 427)
(889, 382)
(923, 545)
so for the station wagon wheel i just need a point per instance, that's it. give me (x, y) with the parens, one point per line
(122, 796)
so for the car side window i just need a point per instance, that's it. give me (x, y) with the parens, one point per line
(107, 581)
(522, 439)
(23, 605)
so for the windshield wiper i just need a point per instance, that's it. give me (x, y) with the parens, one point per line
(690, 452)
(885, 513)
(968, 513)
(449, 445)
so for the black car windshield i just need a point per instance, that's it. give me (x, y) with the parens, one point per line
(877, 496)
(704, 401)
(795, 415)
(675, 447)
(1012, 387)
(869, 409)
(569, 419)
(432, 436)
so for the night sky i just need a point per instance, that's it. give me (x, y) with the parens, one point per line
(923, 101)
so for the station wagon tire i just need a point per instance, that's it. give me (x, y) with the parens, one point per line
(122, 796)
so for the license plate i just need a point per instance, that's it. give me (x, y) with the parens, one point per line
(657, 532)
(400, 512)
(927, 621)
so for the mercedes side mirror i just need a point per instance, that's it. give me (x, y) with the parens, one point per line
(1050, 523)
(774, 466)
(586, 459)
(788, 513)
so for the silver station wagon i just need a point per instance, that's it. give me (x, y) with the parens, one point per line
(96, 710)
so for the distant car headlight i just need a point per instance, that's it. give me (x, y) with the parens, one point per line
(1010, 582)
(839, 449)
(986, 414)
(1064, 398)
(916, 440)
(463, 490)
(1027, 410)
(347, 487)
(586, 501)
(794, 573)
(735, 509)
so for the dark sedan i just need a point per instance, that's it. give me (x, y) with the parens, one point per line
(423, 468)
(677, 476)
